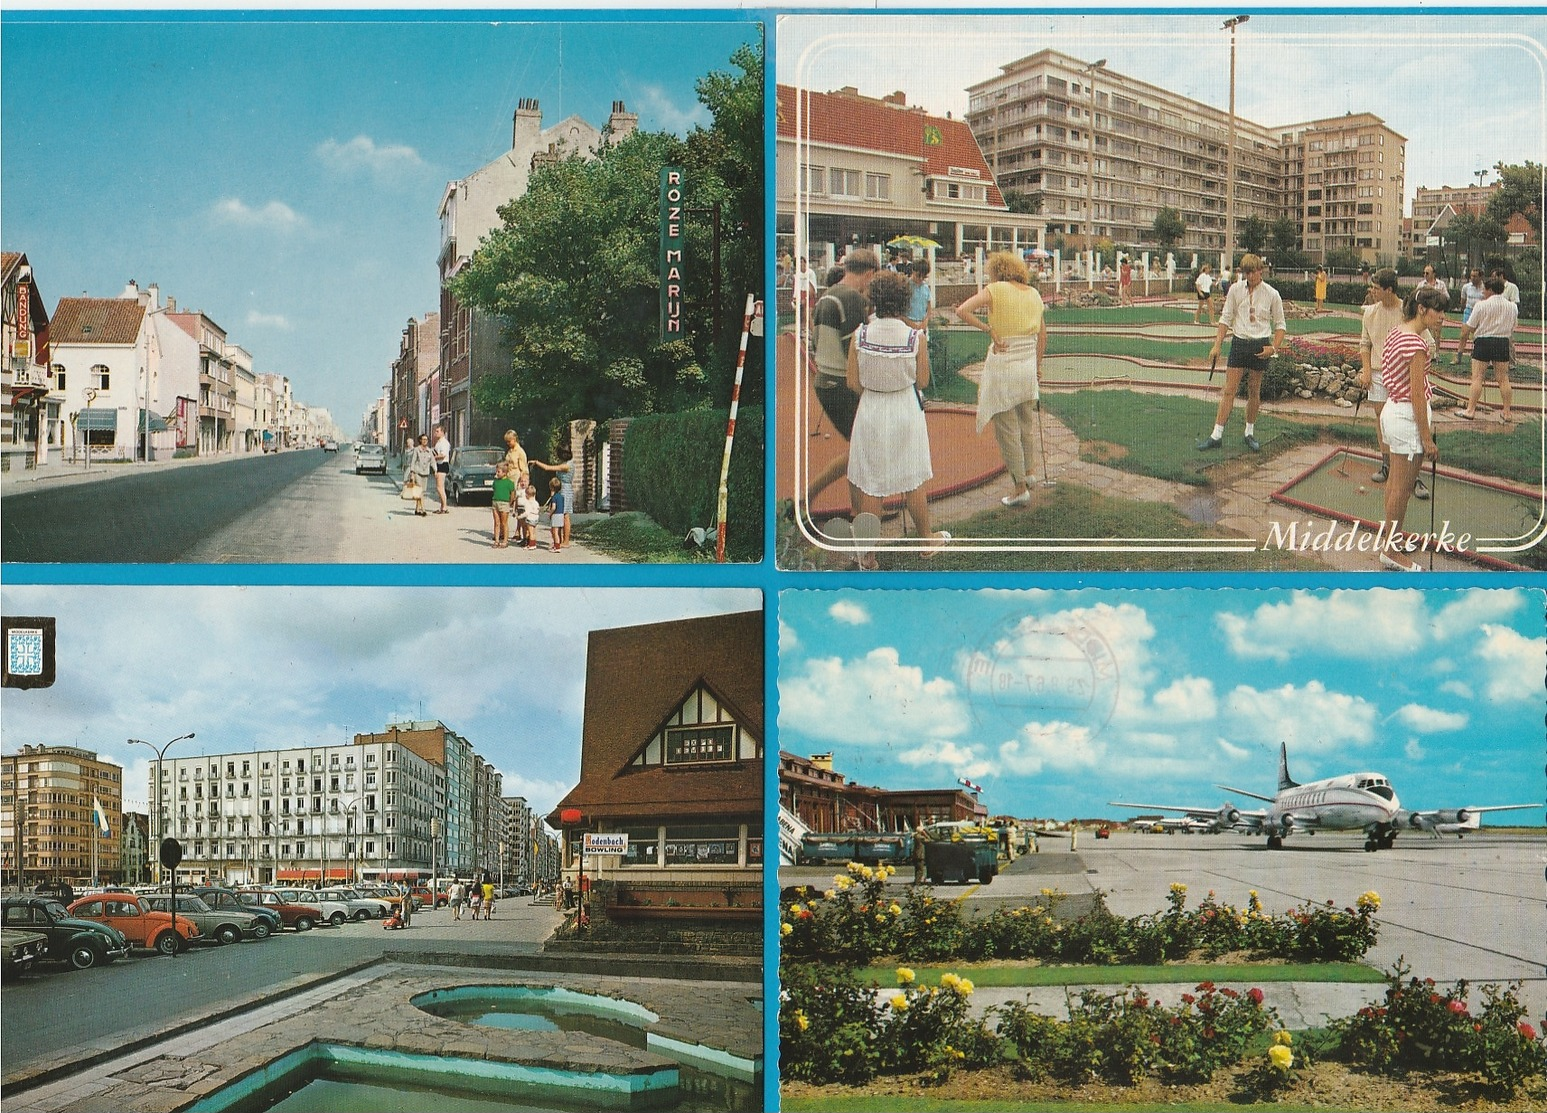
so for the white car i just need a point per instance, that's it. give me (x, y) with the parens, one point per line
(330, 910)
(361, 907)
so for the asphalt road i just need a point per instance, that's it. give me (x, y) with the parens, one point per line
(143, 515)
(55, 1007)
(300, 507)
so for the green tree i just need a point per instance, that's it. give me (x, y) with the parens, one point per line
(1520, 192)
(1473, 234)
(574, 272)
(1168, 230)
(1253, 235)
(1286, 237)
(1021, 201)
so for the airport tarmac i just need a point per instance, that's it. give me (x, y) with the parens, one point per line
(1473, 908)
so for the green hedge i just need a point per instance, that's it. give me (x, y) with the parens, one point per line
(671, 471)
(1304, 292)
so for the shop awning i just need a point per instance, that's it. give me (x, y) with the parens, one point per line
(97, 421)
(158, 424)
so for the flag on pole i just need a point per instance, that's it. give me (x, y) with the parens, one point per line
(974, 789)
(100, 818)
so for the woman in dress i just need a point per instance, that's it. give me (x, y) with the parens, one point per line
(1321, 289)
(1012, 371)
(418, 469)
(1406, 421)
(889, 445)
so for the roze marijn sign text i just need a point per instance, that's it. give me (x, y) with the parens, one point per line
(673, 240)
(604, 843)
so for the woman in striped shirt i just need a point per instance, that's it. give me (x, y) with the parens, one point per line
(1406, 421)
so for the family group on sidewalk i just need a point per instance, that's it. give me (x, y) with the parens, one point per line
(515, 503)
(475, 896)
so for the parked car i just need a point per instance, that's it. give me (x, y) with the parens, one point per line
(140, 925)
(361, 906)
(19, 950)
(230, 899)
(422, 897)
(389, 893)
(329, 909)
(301, 917)
(330, 446)
(472, 471)
(81, 943)
(371, 457)
(223, 926)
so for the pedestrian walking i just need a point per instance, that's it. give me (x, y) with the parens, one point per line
(421, 464)
(488, 897)
(1493, 326)
(442, 450)
(455, 896)
(1204, 285)
(1125, 282)
(1254, 318)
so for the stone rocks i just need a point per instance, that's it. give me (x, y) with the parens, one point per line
(1339, 382)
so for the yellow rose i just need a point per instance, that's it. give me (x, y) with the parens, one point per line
(904, 975)
(964, 987)
(895, 909)
(801, 1021)
(949, 981)
(1370, 901)
(900, 1003)
(1281, 1056)
(786, 927)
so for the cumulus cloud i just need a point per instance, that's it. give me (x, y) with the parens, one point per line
(1473, 609)
(789, 640)
(1362, 624)
(849, 613)
(276, 216)
(962, 761)
(1414, 750)
(1457, 688)
(268, 320)
(1515, 664)
(874, 700)
(1428, 720)
(1311, 719)
(1057, 745)
(362, 153)
(655, 104)
(1187, 700)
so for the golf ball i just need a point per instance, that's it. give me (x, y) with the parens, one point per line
(1362, 490)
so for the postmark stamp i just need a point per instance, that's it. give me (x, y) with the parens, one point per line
(1061, 667)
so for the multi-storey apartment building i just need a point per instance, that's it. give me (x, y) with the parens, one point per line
(854, 169)
(1343, 184)
(1107, 152)
(1430, 204)
(417, 361)
(47, 827)
(517, 857)
(298, 813)
(135, 849)
(217, 381)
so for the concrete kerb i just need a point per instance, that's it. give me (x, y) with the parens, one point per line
(705, 968)
(79, 1057)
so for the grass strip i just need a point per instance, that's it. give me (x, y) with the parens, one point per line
(636, 537)
(1342, 973)
(900, 1103)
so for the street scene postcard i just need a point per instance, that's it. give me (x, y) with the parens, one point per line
(296, 289)
(1187, 292)
(1193, 849)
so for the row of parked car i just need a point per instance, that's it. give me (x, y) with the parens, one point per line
(101, 927)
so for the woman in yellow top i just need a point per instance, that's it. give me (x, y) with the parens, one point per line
(515, 458)
(1012, 371)
(1321, 288)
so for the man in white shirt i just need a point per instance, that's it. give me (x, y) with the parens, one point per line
(1254, 317)
(1511, 291)
(442, 451)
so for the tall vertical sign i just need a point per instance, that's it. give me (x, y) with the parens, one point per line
(673, 240)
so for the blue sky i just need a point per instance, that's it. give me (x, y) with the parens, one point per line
(1466, 90)
(269, 666)
(1059, 701)
(284, 176)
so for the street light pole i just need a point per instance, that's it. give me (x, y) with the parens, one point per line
(1231, 25)
(155, 787)
(1090, 168)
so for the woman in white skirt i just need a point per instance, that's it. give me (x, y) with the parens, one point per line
(1008, 394)
(889, 445)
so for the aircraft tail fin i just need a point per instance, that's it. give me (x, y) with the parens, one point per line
(1284, 780)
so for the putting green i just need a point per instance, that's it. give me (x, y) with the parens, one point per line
(1492, 515)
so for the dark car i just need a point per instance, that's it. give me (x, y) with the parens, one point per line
(371, 457)
(81, 943)
(472, 471)
(228, 900)
(20, 949)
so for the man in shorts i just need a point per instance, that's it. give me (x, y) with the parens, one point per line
(1204, 284)
(1254, 317)
(839, 312)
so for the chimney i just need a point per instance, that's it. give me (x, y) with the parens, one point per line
(899, 98)
(171, 305)
(526, 124)
(132, 290)
(154, 293)
(622, 123)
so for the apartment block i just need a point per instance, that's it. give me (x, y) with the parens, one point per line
(1343, 183)
(1430, 204)
(46, 824)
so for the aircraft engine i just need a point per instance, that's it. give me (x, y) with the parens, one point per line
(1286, 824)
(1226, 816)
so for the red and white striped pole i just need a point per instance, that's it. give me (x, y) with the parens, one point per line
(753, 307)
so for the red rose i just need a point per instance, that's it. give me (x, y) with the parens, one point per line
(1254, 995)
(1458, 1007)
(1527, 1031)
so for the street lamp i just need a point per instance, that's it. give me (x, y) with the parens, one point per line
(349, 830)
(1230, 25)
(155, 787)
(1090, 167)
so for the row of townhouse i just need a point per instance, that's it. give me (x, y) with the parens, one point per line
(131, 378)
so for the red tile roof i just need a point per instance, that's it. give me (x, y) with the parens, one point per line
(96, 321)
(635, 678)
(850, 120)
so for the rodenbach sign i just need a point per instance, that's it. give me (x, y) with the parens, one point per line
(606, 843)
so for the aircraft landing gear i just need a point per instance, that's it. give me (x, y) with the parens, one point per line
(1380, 842)
(1275, 842)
